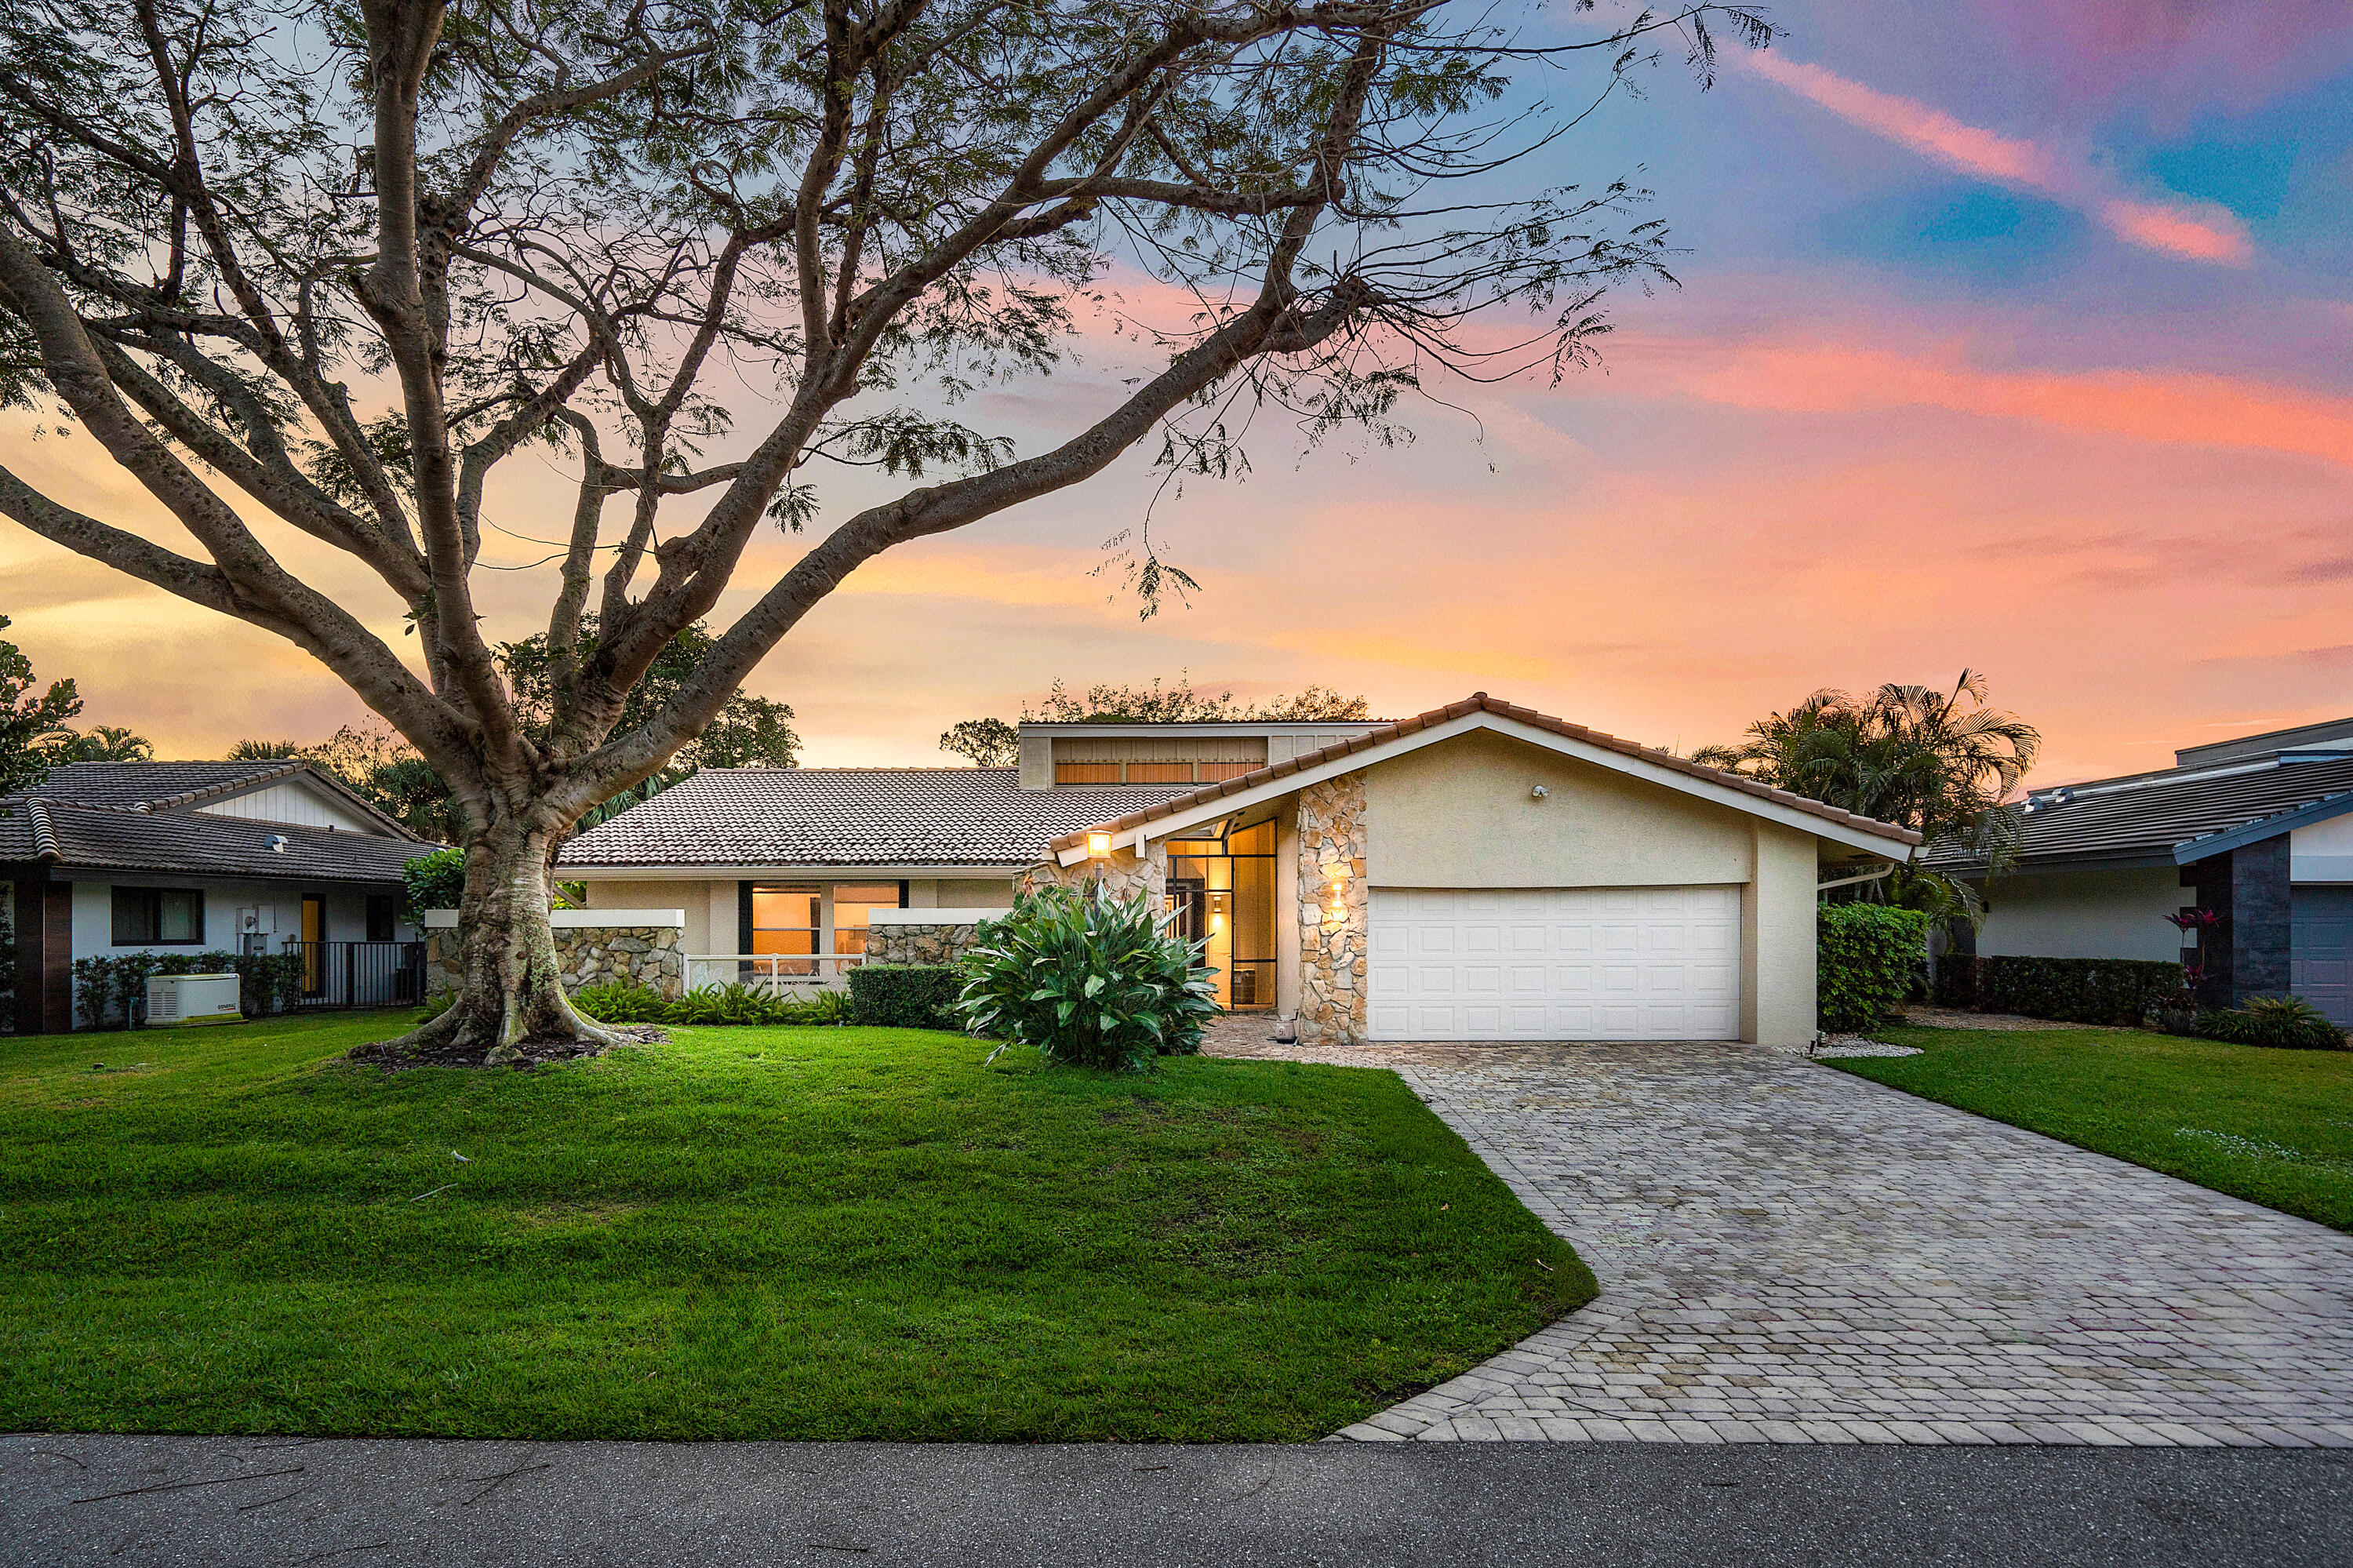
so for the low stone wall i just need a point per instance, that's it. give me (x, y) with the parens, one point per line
(925, 944)
(591, 955)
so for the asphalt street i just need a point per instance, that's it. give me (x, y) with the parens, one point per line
(150, 1500)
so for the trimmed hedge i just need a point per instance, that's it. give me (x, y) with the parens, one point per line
(906, 996)
(1865, 958)
(2065, 990)
(630, 1001)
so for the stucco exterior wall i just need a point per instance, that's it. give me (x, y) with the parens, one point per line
(346, 916)
(2323, 851)
(2086, 915)
(958, 893)
(1777, 978)
(1462, 813)
(698, 898)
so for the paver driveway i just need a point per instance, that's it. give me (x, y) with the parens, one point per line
(1791, 1254)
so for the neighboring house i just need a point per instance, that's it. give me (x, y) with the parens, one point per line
(111, 858)
(1477, 871)
(2258, 829)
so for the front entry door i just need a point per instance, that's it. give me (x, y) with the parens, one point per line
(314, 931)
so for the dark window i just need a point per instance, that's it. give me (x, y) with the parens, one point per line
(157, 916)
(380, 907)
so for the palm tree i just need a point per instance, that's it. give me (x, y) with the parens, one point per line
(103, 742)
(1939, 762)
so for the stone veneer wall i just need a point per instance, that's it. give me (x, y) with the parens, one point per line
(1332, 951)
(907, 944)
(591, 955)
(1124, 872)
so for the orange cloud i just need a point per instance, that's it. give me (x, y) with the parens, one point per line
(2199, 231)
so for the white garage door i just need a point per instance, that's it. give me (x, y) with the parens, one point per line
(1585, 963)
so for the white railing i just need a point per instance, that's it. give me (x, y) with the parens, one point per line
(782, 974)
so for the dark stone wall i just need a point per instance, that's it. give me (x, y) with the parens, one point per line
(2246, 953)
(2263, 919)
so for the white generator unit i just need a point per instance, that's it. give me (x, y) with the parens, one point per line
(192, 999)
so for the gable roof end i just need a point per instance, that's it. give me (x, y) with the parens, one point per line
(1481, 702)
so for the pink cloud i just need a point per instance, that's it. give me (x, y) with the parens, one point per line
(2172, 408)
(2198, 231)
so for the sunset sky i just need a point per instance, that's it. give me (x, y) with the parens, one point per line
(2014, 334)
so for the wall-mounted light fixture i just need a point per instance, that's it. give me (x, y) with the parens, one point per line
(1217, 911)
(1098, 845)
(1339, 891)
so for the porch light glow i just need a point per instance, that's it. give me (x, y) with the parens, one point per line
(1098, 845)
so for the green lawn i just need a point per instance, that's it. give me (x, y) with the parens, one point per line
(2275, 1127)
(746, 1233)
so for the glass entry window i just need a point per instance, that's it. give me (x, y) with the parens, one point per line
(852, 907)
(785, 923)
(1222, 889)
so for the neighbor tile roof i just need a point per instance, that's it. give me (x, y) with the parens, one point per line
(157, 786)
(175, 785)
(1480, 702)
(192, 843)
(850, 816)
(2148, 820)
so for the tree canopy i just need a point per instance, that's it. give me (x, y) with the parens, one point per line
(993, 743)
(30, 719)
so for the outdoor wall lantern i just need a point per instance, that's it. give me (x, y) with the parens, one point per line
(1217, 911)
(1099, 845)
(1339, 910)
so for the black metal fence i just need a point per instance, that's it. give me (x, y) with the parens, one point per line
(360, 974)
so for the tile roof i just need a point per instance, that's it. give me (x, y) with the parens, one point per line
(192, 843)
(2148, 820)
(157, 786)
(850, 816)
(173, 786)
(1480, 702)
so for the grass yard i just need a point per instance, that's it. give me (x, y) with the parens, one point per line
(2275, 1127)
(746, 1233)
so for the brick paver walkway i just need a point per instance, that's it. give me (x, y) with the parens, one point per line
(1789, 1253)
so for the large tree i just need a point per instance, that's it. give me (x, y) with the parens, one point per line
(323, 266)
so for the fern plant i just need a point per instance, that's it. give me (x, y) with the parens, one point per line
(1091, 979)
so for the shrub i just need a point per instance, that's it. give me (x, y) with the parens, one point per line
(1864, 957)
(111, 992)
(905, 996)
(622, 1001)
(436, 881)
(627, 1001)
(2066, 990)
(1091, 979)
(2289, 1022)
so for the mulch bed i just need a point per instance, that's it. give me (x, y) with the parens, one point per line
(394, 1058)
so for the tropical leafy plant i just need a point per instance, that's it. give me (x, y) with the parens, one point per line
(436, 881)
(1092, 979)
(2289, 1022)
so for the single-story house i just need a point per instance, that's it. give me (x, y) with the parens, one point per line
(2257, 830)
(1479, 872)
(113, 858)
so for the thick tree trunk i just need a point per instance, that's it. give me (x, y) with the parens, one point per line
(510, 1008)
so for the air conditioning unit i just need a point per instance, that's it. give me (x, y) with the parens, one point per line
(192, 999)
